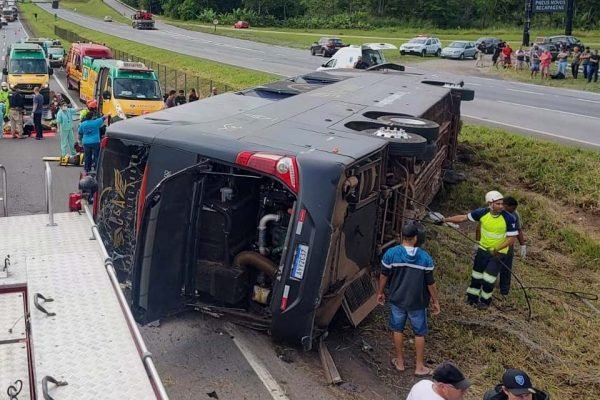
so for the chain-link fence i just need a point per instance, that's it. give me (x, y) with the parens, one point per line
(169, 78)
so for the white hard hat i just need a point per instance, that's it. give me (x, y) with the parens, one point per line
(493, 196)
(4, 84)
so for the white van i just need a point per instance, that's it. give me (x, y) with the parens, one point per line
(346, 57)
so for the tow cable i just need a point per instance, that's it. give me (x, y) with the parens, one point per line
(434, 218)
(13, 391)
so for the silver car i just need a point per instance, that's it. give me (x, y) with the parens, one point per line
(460, 49)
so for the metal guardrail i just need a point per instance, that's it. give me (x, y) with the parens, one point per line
(139, 341)
(4, 199)
(48, 190)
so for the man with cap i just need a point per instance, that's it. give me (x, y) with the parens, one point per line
(498, 231)
(409, 271)
(448, 383)
(516, 385)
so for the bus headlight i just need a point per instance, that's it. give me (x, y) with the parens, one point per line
(120, 112)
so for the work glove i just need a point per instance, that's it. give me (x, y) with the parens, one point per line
(475, 247)
(436, 217)
(523, 251)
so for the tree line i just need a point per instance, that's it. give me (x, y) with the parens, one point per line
(367, 14)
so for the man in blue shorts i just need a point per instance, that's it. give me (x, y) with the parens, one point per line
(409, 272)
(498, 231)
(534, 60)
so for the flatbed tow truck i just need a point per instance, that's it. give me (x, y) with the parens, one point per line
(66, 331)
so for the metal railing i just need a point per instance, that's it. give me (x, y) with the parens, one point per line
(4, 199)
(48, 190)
(146, 356)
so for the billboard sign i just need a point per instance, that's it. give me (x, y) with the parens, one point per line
(549, 6)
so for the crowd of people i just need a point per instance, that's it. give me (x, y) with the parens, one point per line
(407, 276)
(538, 59)
(176, 98)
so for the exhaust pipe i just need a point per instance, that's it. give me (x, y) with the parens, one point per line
(262, 232)
(247, 259)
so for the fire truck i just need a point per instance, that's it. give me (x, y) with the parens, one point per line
(142, 19)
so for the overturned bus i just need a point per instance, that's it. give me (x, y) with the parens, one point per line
(275, 203)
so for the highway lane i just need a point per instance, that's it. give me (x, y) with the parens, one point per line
(23, 158)
(529, 109)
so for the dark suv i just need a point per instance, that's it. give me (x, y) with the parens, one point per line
(488, 44)
(326, 46)
(570, 42)
(274, 204)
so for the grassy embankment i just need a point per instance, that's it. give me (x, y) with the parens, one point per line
(220, 74)
(558, 188)
(94, 8)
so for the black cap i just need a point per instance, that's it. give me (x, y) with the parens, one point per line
(449, 373)
(517, 382)
(410, 230)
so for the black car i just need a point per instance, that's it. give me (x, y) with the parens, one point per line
(570, 42)
(489, 44)
(273, 205)
(326, 46)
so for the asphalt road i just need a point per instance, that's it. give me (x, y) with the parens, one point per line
(565, 115)
(23, 158)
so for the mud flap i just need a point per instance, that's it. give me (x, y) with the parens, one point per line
(360, 298)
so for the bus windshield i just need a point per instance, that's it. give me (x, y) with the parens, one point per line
(130, 88)
(28, 66)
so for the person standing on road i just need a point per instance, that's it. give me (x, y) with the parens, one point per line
(498, 231)
(516, 385)
(575, 62)
(449, 383)
(38, 110)
(180, 98)
(507, 55)
(520, 54)
(585, 60)
(593, 66)
(534, 59)
(545, 60)
(170, 102)
(89, 136)
(64, 127)
(193, 96)
(16, 107)
(480, 51)
(4, 104)
(409, 272)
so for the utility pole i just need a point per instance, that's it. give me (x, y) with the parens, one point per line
(527, 25)
(569, 22)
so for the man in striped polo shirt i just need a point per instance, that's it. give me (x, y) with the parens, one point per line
(409, 272)
(498, 231)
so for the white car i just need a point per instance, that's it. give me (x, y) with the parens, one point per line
(422, 46)
(108, 18)
(346, 57)
(3, 21)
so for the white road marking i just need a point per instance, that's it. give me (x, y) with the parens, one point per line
(263, 374)
(589, 101)
(527, 91)
(532, 130)
(548, 109)
(472, 84)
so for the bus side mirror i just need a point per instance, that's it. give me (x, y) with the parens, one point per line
(106, 95)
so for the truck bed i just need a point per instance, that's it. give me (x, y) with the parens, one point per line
(88, 343)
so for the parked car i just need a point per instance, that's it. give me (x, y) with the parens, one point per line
(489, 44)
(460, 49)
(566, 40)
(326, 46)
(3, 21)
(553, 48)
(241, 25)
(56, 56)
(422, 46)
(108, 18)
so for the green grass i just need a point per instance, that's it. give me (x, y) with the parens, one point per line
(222, 76)
(559, 344)
(302, 38)
(524, 76)
(95, 9)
